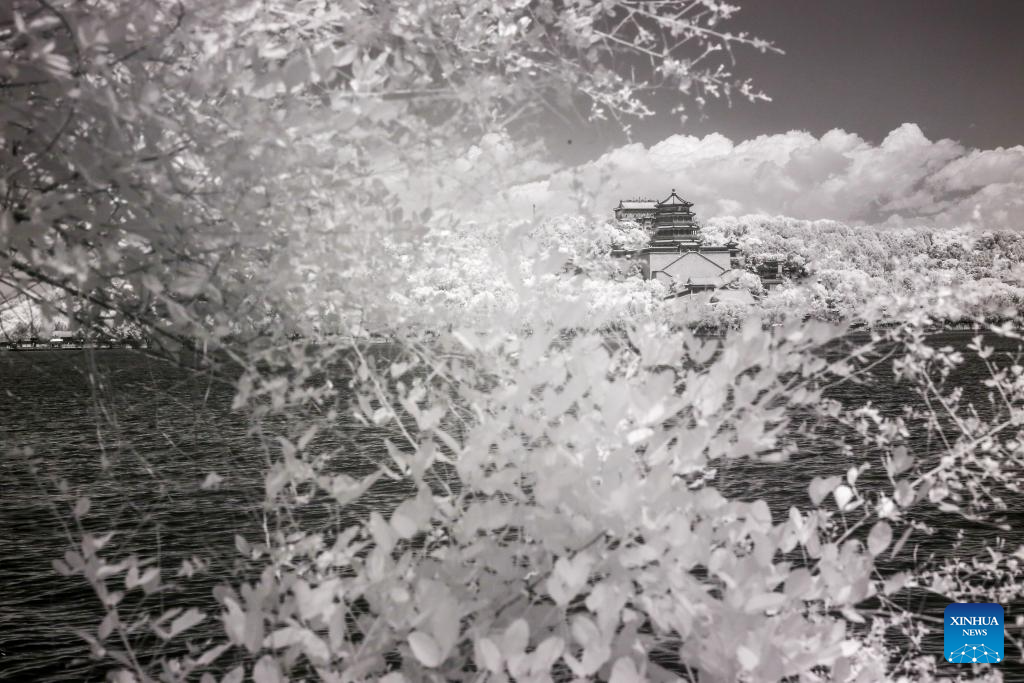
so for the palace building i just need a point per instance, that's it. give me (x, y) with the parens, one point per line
(675, 254)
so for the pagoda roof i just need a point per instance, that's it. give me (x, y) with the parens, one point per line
(674, 200)
(637, 204)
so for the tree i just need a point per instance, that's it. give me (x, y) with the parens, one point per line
(168, 160)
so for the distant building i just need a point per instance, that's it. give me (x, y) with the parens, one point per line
(675, 254)
(773, 273)
(61, 337)
(641, 211)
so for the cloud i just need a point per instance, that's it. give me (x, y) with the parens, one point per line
(906, 179)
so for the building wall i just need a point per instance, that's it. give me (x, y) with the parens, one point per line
(682, 267)
(644, 217)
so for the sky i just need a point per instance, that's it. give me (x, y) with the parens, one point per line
(884, 112)
(953, 67)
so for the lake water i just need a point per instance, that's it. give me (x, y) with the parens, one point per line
(162, 429)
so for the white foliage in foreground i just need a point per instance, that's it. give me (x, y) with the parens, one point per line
(497, 273)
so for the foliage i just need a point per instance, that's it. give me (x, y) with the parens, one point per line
(232, 173)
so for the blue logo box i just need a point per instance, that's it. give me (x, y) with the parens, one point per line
(973, 633)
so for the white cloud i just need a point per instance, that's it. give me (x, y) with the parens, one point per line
(906, 179)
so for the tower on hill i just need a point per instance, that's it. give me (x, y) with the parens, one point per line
(675, 255)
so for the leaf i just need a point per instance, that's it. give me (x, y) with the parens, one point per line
(82, 507)
(267, 671)
(765, 602)
(93, 544)
(748, 658)
(235, 675)
(212, 654)
(879, 538)
(234, 622)
(444, 616)
(821, 487)
(637, 435)
(426, 649)
(211, 482)
(895, 582)
(516, 638)
(408, 518)
(584, 631)
(904, 494)
(799, 583)
(296, 72)
(569, 577)
(346, 55)
(306, 437)
(382, 533)
(107, 625)
(545, 656)
(760, 513)
(488, 655)
(901, 460)
(843, 495)
(149, 576)
(182, 623)
(624, 671)
(852, 615)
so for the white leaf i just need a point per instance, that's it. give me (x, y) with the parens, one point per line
(382, 533)
(267, 671)
(212, 654)
(107, 625)
(852, 615)
(904, 494)
(283, 637)
(346, 55)
(900, 543)
(748, 658)
(624, 671)
(546, 654)
(425, 648)
(843, 495)
(234, 622)
(821, 487)
(879, 538)
(516, 638)
(186, 621)
(488, 655)
(212, 482)
(403, 523)
(584, 631)
(638, 435)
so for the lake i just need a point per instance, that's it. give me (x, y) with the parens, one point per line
(162, 429)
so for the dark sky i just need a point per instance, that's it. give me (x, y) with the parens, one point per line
(955, 67)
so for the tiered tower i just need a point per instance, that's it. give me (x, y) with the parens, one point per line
(674, 226)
